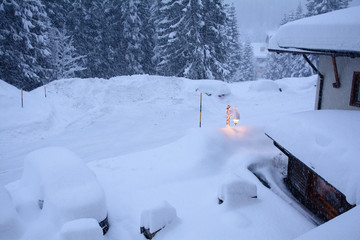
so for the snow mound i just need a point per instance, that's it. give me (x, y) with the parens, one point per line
(7, 90)
(57, 180)
(35, 109)
(158, 217)
(232, 192)
(10, 226)
(344, 226)
(296, 85)
(264, 85)
(212, 88)
(81, 229)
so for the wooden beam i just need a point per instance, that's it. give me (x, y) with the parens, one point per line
(312, 66)
(336, 84)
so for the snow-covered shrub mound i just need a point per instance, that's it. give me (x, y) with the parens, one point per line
(298, 84)
(10, 226)
(264, 85)
(233, 191)
(156, 218)
(212, 88)
(57, 181)
(81, 229)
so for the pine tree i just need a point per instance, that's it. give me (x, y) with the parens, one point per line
(247, 69)
(191, 39)
(11, 43)
(93, 36)
(315, 7)
(58, 10)
(286, 64)
(111, 32)
(299, 13)
(36, 26)
(25, 60)
(132, 37)
(234, 47)
(147, 9)
(170, 48)
(65, 60)
(215, 40)
(274, 66)
(194, 51)
(75, 27)
(85, 27)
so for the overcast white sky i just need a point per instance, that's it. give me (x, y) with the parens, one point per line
(256, 17)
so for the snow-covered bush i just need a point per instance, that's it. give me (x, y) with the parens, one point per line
(213, 88)
(156, 218)
(264, 85)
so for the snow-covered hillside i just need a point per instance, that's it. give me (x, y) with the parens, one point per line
(140, 135)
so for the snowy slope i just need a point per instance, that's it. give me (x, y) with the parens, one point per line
(100, 118)
(140, 136)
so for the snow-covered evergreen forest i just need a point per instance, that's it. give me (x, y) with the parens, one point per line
(46, 40)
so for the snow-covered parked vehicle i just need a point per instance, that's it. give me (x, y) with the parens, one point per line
(57, 185)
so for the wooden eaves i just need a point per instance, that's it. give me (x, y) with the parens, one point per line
(332, 53)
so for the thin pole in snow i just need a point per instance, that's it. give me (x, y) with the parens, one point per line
(22, 99)
(45, 90)
(200, 108)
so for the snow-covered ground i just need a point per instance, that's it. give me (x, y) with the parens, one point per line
(140, 135)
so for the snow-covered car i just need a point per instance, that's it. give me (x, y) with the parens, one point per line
(58, 184)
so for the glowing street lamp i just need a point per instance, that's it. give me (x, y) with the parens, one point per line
(232, 112)
(235, 115)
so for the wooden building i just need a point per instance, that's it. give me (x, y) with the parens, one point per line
(335, 38)
(313, 191)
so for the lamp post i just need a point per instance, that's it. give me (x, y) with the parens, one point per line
(232, 112)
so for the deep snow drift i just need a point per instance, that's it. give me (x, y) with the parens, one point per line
(330, 143)
(140, 136)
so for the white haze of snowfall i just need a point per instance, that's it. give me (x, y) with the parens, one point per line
(140, 135)
(257, 17)
(338, 30)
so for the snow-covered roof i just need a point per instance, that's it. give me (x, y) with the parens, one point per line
(336, 31)
(327, 142)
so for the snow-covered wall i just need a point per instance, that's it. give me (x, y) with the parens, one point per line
(337, 98)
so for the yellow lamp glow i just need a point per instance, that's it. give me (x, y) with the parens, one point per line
(234, 113)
